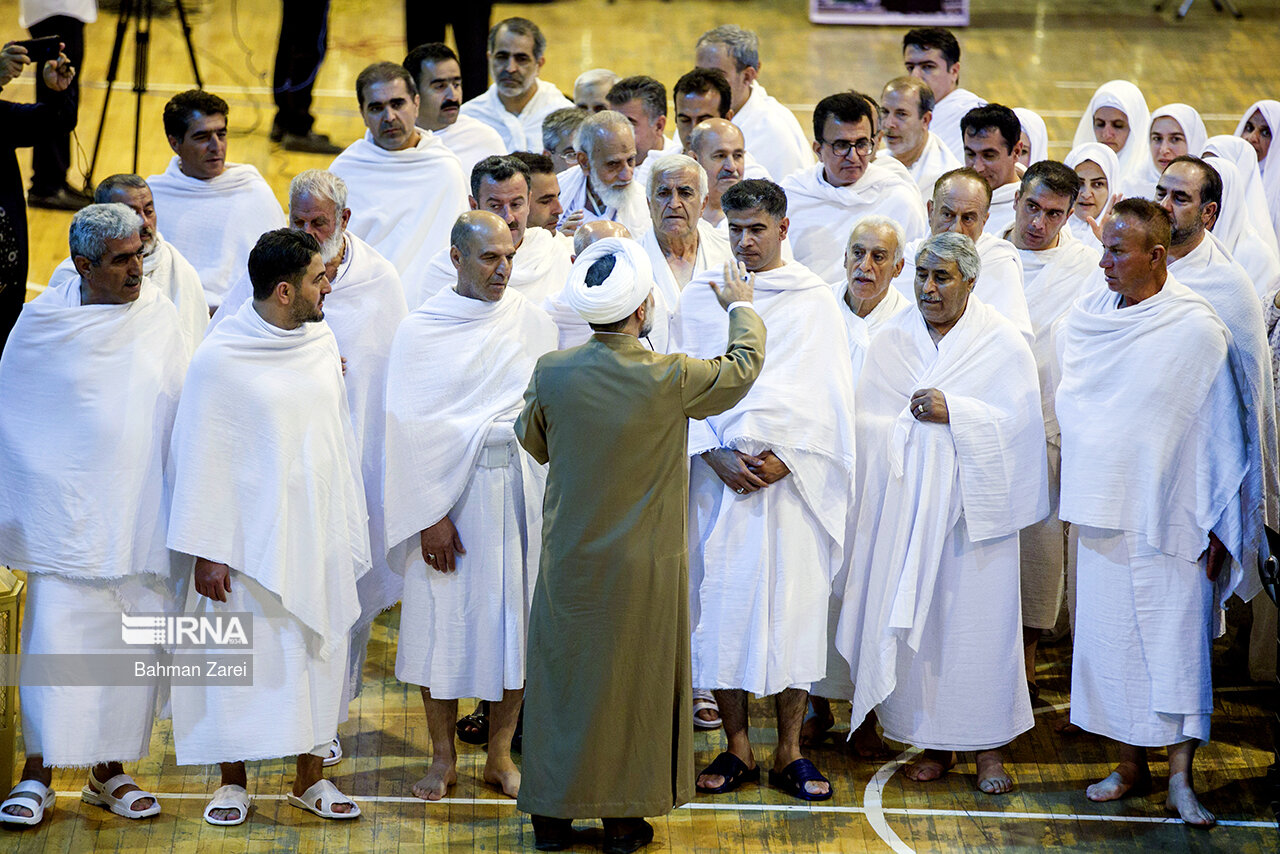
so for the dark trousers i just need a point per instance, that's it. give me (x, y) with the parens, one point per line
(304, 36)
(424, 21)
(50, 160)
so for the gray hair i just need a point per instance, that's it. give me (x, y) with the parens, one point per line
(743, 45)
(94, 225)
(596, 127)
(879, 221)
(596, 78)
(561, 126)
(949, 246)
(319, 184)
(670, 163)
(123, 180)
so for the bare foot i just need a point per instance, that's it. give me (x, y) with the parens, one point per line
(992, 778)
(1182, 800)
(1128, 778)
(815, 726)
(121, 791)
(228, 814)
(866, 742)
(715, 781)
(434, 786)
(1066, 727)
(930, 765)
(503, 774)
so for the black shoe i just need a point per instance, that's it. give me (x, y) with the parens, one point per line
(624, 835)
(62, 199)
(551, 834)
(311, 143)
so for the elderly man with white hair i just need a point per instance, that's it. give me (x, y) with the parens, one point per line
(90, 382)
(681, 245)
(951, 467)
(603, 184)
(590, 89)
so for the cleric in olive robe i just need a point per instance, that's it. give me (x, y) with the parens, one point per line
(607, 728)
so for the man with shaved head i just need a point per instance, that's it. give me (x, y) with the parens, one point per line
(463, 500)
(720, 150)
(590, 89)
(906, 113)
(603, 185)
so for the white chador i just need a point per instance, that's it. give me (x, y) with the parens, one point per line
(452, 451)
(267, 481)
(215, 223)
(403, 203)
(947, 114)
(1054, 280)
(999, 285)
(1001, 214)
(773, 134)
(761, 564)
(174, 277)
(1141, 182)
(634, 214)
(472, 141)
(1235, 230)
(822, 215)
(1154, 457)
(931, 619)
(521, 132)
(539, 271)
(89, 398)
(713, 252)
(934, 161)
(1105, 159)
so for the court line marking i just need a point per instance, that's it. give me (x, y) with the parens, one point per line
(873, 801)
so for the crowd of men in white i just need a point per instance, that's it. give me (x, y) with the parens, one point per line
(1045, 385)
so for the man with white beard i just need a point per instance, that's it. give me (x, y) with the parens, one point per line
(845, 185)
(720, 150)
(518, 100)
(992, 146)
(500, 185)
(464, 502)
(436, 71)
(643, 101)
(681, 245)
(770, 129)
(590, 89)
(603, 186)
(933, 55)
(405, 187)
(960, 204)
(906, 114)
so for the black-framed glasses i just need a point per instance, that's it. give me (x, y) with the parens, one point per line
(842, 147)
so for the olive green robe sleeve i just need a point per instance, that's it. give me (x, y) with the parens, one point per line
(531, 426)
(710, 386)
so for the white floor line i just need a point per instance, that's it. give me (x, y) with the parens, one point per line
(873, 802)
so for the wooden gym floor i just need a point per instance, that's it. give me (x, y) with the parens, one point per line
(1033, 53)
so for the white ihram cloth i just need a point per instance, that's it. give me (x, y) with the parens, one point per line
(1037, 134)
(451, 451)
(1141, 182)
(999, 283)
(948, 112)
(1154, 457)
(1242, 154)
(1054, 279)
(472, 141)
(773, 134)
(403, 203)
(645, 168)
(1105, 158)
(215, 223)
(1127, 98)
(539, 271)
(931, 617)
(861, 329)
(573, 197)
(1270, 167)
(1236, 232)
(1000, 215)
(521, 132)
(822, 216)
(934, 161)
(712, 253)
(761, 564)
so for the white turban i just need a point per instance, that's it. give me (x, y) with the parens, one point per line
(626, 287)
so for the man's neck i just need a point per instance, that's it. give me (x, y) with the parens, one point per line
(747, 97)
(1016, 239)
(1181, 250)
(594, 203)
(939, 98)
(827, 179)
(713, 214)
(516, 105)
(770, 266)
(862, 307)
(683, 245)
(909, 158)
(182, 167)
(275, 317)
(435, 127)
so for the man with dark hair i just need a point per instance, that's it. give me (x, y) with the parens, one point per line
(933, 55)
(906, 115)
(643, 101)
(405, 186)
(1153, 568)
(544, 190)
(518, 100)
(438, 75)
(213, 211)
(845, 185)
(992, 144)
(264, 399)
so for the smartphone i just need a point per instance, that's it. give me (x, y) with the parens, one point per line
(42, 50)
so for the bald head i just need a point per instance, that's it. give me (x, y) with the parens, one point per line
(961, 203)
(594, 231)
(720, 149)
(482, 251)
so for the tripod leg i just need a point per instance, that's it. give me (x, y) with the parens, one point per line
(186, 35)
(141, 55)
(113, 69)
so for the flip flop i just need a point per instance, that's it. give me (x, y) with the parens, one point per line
(734, 771)
(228, 798)
(29, 794)
(328, 795)
(792, 779)
(121, 806)
(704, 701)
(474, 728)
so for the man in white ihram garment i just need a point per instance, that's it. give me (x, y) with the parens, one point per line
(906, 115)
(1153, 408)
(933, 55)
(438, 75)
(952, 446)
(69, 452)
(681, 245)
(992, 146)
(718, 147)
(464, 501)
(591, 87)
(643, 100)
(264, 399)
(769, 493)
(603, 184)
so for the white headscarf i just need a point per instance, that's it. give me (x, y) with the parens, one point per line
(1128, 99)
(623, 290)
(1254, 199)
(1142, 182)
(1270, 167)
(1037, 134)
(1095, 152)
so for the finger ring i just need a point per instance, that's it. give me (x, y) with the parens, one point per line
(740, 490)
(431, 557)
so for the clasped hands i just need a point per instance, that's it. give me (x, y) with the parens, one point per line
(744, 473)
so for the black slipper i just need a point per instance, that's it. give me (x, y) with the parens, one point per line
(792, 779)
(474, 728)
(734, 771)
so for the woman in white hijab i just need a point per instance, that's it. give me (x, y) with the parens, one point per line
(1035, 137)
(1236, 232)
(1117, 117)
(1257, 127)
(1254, 199)
(1175, 130)
(1098, 168)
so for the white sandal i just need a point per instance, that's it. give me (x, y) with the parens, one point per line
(703, 700)
(228, 798)
(122, 806)
(29, 794)
(335, 753)
(327, 794)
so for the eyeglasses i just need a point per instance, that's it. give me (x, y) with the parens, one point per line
(842, 147)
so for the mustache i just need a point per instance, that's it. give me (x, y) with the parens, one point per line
(450, 105)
